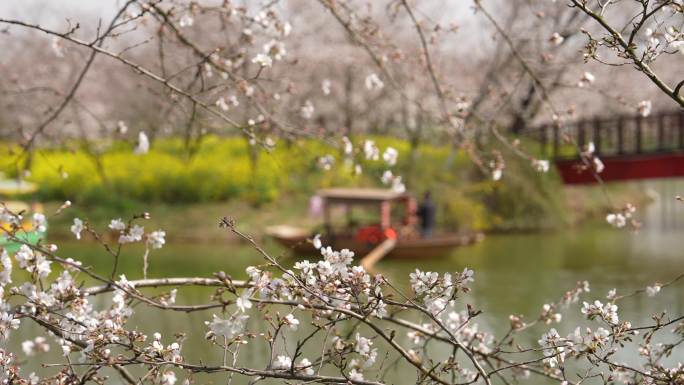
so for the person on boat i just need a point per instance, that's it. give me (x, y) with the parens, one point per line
(315, 206)
(426, 213)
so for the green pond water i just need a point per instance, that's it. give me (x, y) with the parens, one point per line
(514, 274)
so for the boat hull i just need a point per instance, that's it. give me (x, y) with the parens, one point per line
(418, 248)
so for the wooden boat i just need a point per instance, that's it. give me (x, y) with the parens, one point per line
(26, 233)
(340, 203)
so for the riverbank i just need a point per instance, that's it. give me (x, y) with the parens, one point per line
(198, 222)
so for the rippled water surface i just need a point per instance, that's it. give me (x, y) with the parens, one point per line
(515, 274)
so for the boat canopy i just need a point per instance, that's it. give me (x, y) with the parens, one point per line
(360, 195)
(381, 198)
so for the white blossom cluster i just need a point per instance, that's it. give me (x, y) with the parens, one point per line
(662, 39)
(621, 219)
(370, 152)
(331, 289)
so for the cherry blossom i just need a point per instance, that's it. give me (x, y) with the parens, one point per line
(644, 108)
(556, 39)
(326, 86)
(307, 110)
(306, 366)
(39, 222)
(186, 20)
(117, 224)
(607, 312)
(156, 239)
(616, 219)
(263, 60)
(652, 291)
(586, 80)
(77, 228)
(540, 165)
(291, 321)
(121, 127)
(317, 241)
(370, 150)
(390, 156)
(373, 82)
(133, 234)
(143, 146)
(282, 362)
(228, 328)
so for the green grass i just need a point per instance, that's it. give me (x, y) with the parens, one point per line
(186, 221)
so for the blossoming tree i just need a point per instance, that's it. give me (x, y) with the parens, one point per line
(356, 325)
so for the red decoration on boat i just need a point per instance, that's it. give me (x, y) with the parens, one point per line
(370, 234)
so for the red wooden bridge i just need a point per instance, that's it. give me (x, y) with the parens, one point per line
(630, 147)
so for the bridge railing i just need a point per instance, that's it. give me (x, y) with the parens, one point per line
(623, 135)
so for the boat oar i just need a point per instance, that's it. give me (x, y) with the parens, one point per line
(378, 253)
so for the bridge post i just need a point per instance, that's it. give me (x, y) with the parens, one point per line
(542, 139)
(661, 132)
(620, 136)
(555, 139)
(597, 135)
(681, 131)
(639, 121)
